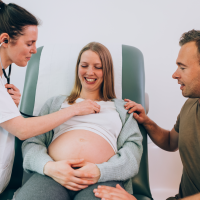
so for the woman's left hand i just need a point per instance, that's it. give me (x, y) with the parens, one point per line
(112, 193)
(14, 93)
(89, 168)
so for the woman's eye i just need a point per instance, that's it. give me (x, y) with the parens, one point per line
(29, 45)
(83, 65)
(98, 67)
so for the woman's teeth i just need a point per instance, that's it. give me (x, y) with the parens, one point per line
(90, 80)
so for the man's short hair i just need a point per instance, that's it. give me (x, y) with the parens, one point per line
(191, 36)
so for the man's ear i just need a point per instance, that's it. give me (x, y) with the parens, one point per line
(3, 38)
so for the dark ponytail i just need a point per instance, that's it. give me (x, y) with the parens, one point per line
(14, 18)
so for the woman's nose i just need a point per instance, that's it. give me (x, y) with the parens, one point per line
(34, 49)
(90, 70)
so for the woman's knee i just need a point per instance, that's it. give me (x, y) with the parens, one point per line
(43, 188)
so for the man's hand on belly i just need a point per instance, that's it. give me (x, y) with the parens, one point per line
(63, 173)
(91, 168)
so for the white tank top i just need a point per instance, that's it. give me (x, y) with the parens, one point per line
(106, 123)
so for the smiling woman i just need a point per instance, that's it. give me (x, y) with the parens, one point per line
(104, 147)
(90, 73)
(96, 60)
(94, 81)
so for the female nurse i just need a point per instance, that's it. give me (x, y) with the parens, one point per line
(18, 36)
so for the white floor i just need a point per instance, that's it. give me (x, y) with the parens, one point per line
(165, 169)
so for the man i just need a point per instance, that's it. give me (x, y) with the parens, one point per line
(185, 135)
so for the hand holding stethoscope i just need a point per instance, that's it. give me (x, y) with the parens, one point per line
(12, 90)
(14, 93)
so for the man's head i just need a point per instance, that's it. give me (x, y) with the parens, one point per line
(188, 61)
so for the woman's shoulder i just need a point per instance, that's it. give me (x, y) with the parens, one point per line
(54, 103)
(56, 99)
(119, 104)
(118, 101)
(59, 98)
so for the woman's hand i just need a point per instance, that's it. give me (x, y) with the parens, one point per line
(139, 112)
(86, 107)
(63, 173)
(112, 193)
(14, 93)
(91, 168)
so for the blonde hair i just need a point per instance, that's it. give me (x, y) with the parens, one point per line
(107, 89)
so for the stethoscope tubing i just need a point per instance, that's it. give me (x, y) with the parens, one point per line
(26, 115)
(9, 73)
(4, 72)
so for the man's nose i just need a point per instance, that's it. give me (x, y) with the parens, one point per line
(175, 75)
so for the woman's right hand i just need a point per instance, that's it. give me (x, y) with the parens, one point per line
(63, 173)
(86, 107)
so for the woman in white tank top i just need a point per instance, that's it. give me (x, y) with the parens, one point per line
(76, 154)
(90, 135)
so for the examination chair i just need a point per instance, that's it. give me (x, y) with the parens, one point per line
(133, 87)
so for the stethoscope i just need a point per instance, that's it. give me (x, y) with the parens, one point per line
(4, 72)
(10, 67)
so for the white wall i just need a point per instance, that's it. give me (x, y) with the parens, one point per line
(152, 26)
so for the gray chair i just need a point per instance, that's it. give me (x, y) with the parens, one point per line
(133, 87)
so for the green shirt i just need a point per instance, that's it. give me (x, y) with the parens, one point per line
(188, 127)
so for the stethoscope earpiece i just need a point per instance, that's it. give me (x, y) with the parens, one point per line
(5, 41)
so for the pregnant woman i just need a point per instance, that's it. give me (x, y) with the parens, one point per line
(85, 151)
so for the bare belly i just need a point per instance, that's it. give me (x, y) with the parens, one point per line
(81, 144)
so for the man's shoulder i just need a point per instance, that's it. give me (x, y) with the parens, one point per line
(190, 102)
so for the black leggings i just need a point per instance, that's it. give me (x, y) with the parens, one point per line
(40, 187)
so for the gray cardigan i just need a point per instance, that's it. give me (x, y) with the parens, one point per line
(122, 166)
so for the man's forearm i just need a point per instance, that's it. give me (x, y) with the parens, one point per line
(167, 140)
(158, 135)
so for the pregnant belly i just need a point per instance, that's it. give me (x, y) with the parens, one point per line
(81, 144)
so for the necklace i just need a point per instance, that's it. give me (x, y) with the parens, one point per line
(4, 72)
(92, 99)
